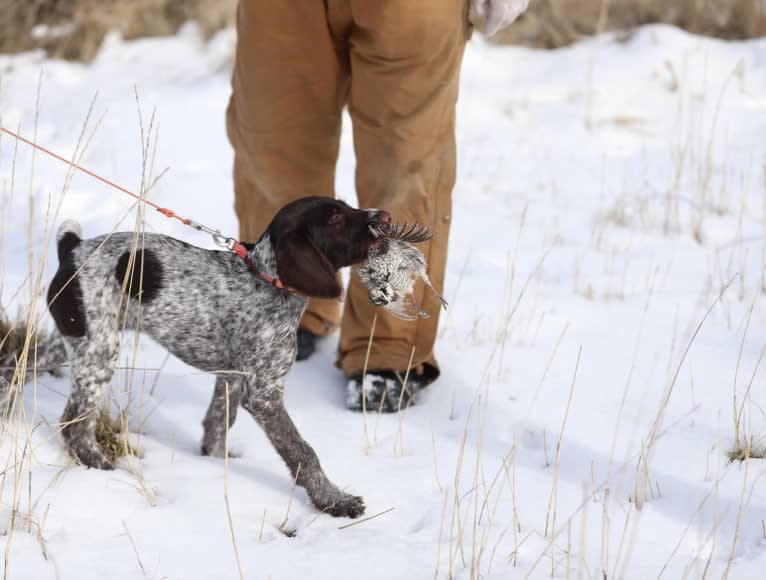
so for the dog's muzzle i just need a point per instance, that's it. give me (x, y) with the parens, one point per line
(379, 216)
(379, 221)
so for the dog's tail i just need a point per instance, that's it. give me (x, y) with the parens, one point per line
(69, 237)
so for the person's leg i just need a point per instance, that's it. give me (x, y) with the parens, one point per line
(289, 86)
(405, 62)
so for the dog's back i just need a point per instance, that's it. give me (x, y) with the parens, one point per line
(204, 306)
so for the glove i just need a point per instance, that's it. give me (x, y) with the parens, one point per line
(498, 13)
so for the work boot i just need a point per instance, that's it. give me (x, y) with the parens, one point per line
(383, 391)
(307, 343)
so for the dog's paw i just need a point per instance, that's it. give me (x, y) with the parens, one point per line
(345, 505)
(90, 456)
(216, 450)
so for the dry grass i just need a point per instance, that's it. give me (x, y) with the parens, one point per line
(74, 29)
(554, 23)
(750, 448)
(113, 438)
(16, 431)
(19, 340)
(13, 346)
(12, 336)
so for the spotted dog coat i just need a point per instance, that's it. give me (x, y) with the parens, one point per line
(212, 312)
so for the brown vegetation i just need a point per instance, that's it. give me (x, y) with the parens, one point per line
(74, 29)
(13, 335)
(554, 23)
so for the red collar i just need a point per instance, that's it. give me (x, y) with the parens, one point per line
(241, 251)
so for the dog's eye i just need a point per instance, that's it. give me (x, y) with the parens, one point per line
(336, 219)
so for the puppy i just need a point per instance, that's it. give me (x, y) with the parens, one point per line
(233, 317)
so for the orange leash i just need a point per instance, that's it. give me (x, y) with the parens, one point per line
(163, 210)
(230, 243)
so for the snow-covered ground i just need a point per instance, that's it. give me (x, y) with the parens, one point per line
(607, 195)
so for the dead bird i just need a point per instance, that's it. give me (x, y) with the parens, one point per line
(392, 268)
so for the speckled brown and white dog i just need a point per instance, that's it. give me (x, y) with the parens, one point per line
(213, 312)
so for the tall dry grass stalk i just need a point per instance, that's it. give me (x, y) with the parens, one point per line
(135, 549)
(367, 443)
(743, 502)
(550, 518)
(643, 464)
(130, 311)
(31, 194)
(226, 489)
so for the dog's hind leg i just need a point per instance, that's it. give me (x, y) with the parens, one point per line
(265, 404)
(214, 424)
(93, 364)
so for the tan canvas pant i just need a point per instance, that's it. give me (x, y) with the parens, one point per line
(395, 63)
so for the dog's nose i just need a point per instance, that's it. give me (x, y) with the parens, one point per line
(384, 216)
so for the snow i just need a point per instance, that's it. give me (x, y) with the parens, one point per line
(607, 194)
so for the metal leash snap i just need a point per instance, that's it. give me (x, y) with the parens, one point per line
(223, 241)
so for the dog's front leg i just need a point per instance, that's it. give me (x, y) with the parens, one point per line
(265, 404)
(214, 424)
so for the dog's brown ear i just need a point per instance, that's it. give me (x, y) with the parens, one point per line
(301, 265)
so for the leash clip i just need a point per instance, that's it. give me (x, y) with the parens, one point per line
(223, 241)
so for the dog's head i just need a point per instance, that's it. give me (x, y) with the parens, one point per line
(314, 237)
